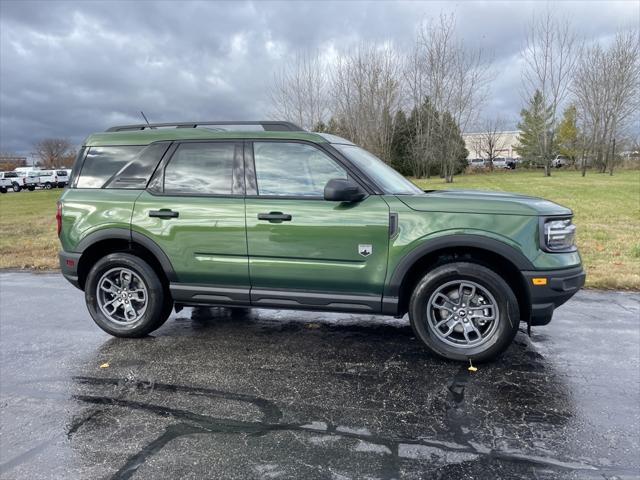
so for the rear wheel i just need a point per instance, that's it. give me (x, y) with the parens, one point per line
(464, 311)
(3, 190)
(16, 187)
(48, 186)
(125, 297)
(31, 188)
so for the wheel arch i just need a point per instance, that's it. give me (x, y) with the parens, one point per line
(110, 240)
(498, 256)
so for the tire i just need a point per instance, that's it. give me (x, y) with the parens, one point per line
(152, 315)
(489, 289)
(3, 190)
(47, 186)
(16, 188)
(31, 188)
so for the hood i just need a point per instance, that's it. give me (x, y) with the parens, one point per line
(478, 201)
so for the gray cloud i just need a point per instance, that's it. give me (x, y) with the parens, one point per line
(71, 68)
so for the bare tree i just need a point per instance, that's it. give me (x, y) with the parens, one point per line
(490, 142)
(606, 91)
(52, 152)
(366, 91)
(453, 79)
(299, 91)
(550, 56)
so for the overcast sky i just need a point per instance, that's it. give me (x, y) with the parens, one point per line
(68, 69)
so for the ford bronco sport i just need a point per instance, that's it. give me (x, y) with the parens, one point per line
(267, 215)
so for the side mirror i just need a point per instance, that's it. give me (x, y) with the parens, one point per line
(341, 190)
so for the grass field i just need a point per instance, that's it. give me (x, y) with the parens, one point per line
(607, 213)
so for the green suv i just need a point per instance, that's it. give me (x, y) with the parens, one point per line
(267, 215)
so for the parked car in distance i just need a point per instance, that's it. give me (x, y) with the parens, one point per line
(476, 163)
(49, 179)
(19, 180)
(5, 183)
(504, 163)
(560, 161)
(62, 175)
(157, 218)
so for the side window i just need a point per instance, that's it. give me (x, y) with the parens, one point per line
(101, 163)
(202, 169)
(293, 169)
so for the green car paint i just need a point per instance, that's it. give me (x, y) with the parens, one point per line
(329, 249)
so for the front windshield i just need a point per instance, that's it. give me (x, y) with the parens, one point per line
(385, 177)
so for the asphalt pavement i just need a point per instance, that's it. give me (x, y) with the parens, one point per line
(285, 394)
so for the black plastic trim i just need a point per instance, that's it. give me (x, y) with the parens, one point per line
(561, 286)
(68, 272)
(188, 294)
(521, 262)
(103, 234)
(297, 299)
(393, 224)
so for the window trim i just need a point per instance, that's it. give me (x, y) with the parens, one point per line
(251, 174)
(237, 177)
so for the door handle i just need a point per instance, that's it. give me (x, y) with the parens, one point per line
(275, 217)
(164, 213)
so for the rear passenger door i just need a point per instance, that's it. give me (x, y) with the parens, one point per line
(194, 210)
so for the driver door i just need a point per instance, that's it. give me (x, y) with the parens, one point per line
(304, 250)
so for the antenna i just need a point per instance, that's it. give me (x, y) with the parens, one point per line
(145, 118)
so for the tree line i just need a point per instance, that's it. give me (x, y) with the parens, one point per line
(410, 108)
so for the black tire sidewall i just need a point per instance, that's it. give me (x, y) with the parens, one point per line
(155, 314)
(509, 315)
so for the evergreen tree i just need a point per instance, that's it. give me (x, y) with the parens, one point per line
(535, 127)
(568, 135)
(400, 143)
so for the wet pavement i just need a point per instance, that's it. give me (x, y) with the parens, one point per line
(278, 394)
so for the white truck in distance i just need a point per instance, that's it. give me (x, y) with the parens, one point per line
(18, 180)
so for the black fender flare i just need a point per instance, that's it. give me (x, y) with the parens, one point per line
(522, 263)
(116, 233)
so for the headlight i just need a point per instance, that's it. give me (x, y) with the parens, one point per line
(558, 235)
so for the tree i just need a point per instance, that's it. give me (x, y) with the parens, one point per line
(10, 161)
(299, 92)
(536, 143)
(54, 152)
(366, 91)
(550, 56)
(401, 143)
(452, 78)
(607, 96)
(568, 135)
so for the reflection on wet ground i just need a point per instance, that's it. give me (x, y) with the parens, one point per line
(275, 394)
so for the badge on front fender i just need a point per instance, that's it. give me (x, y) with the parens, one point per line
(365, 250)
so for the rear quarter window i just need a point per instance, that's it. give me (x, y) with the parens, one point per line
(120, 166)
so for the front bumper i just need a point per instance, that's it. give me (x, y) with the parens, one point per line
(69, 266)
(560, 286)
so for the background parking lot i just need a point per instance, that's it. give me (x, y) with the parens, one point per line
(268, 394)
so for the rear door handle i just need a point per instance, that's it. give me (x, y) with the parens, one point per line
(275, 217)
(164, 213)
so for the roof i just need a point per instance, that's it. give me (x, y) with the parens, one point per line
(145, 137)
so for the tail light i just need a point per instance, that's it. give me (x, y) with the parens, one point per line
(59, 217)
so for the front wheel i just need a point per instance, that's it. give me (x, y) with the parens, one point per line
(31, 188)
(125, 297)
(48, 186)
(464, 311)
(16, 188)
(3, 189)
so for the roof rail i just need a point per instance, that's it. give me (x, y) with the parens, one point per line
(269, 126)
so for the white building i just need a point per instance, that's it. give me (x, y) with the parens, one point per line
(505, 144)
